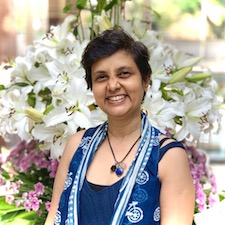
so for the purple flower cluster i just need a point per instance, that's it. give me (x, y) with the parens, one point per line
(31, 201)
(26, 154)
(204, 179)
(31, 172)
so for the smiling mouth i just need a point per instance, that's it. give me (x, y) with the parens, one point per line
(116, 98)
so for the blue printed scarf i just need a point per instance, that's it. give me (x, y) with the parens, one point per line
(148, 138)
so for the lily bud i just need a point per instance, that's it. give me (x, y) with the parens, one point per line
(190, 62)
(199, 77)
(179, 75)
(104, 22)
(34, 115)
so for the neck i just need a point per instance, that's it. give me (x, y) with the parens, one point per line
(120, 127)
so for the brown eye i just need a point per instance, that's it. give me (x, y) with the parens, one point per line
(101, 77)
(124, 73)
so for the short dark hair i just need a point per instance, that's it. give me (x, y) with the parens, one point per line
(108, 43)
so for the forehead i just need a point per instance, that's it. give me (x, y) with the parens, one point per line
(117, 60)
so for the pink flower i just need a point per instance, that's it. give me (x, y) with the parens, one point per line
(212, 180)
(30, 145)
(25, 164)
(27, 206)
(15, 186)
(48, 205)
(213, 198)
(200, 197)
(35, 204)
(32, 194)
(24, 195)
(201, 157)
(41, 159)
(18, 203)
(53, 168)
(9, 199)
(39, 188)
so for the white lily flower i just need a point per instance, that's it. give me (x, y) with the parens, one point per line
(73, 107)
(39, 74)
(98, 116)
(42, 56)
(58, 33)
(13, 116)
(60, 75)
(54, 137)
(160, 113)
(20, 72)
(193, 118)
(5, 76)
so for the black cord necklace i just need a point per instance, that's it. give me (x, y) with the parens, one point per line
(119, 167)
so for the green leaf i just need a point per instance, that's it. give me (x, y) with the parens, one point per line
(100, 6)
(19, 221)
(67, 8)
(222, 195)
(7, 217)
(5, 174)
(46, 95)
(81, 4)
(8, 213)
(27, 215)
(22, 84)
(48, 109)
(13, 211)
(31, 99)
(110, 5)
(2, 87)
(4, 206)
(37, 64)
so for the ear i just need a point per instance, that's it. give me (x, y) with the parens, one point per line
(146, 84)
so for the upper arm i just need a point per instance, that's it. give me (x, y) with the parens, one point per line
(61, 174)
(177, 197)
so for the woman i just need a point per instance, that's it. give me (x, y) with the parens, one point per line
(123, 171)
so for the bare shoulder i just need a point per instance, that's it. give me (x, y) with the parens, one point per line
(76, 138)
(72, 145)
(174, 161)
(177, 193)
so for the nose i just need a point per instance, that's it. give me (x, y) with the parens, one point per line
(113, 84)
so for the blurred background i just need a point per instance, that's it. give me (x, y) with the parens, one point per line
(196, 27)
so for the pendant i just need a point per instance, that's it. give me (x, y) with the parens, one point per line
(118, 168)
(113, 168)
(119, 171)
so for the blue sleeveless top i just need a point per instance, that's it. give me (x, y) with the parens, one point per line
(97, 207)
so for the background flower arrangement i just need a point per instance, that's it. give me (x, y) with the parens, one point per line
(45, 100)
(28, 176)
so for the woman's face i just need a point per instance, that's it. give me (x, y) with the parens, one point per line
(117, 84)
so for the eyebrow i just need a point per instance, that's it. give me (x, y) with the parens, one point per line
(118, 69)
(124, 67)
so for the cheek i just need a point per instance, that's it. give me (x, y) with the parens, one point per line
(97, 95)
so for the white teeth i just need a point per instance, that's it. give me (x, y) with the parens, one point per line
(116, 98)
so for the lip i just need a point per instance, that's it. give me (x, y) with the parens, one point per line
(116, 98)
